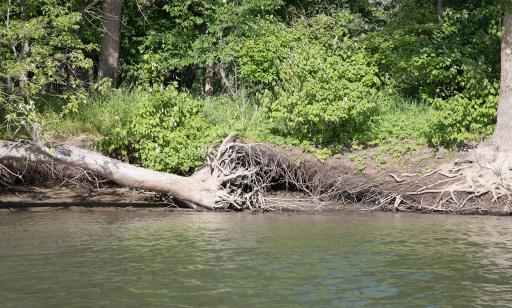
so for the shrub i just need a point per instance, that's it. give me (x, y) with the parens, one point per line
(316, 82)
(466, 116)
(168, 133)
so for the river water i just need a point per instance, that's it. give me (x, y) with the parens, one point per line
(349, 258)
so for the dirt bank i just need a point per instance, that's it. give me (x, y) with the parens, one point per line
(367, 179)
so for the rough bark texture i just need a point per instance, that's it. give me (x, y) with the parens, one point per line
(503, 133)
(108, 66)
(439, 7)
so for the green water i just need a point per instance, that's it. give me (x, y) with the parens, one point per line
(133, 259)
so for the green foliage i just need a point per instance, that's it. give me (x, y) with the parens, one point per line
(321, 75)
(399, 120)
(316, 82)
(41, 53)
(467, 116)
(40, 37)
(168, 132)
(452, 64)
(177, 34)
(99, 114)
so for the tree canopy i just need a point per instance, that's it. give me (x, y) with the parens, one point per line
(321, 72)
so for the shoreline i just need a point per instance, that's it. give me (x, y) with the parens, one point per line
(388, 187)
(145, 202)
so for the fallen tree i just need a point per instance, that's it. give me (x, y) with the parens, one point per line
(237, 175)
(205, 188)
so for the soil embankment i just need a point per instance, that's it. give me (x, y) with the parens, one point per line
(355, 179)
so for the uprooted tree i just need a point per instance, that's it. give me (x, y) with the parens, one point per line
(215, 186)
(236, 175)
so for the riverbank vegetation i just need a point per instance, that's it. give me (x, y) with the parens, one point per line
(158, 84)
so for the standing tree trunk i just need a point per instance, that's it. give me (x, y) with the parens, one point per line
(24, 50)
(108, 66)
(208, 80)
(219, 68)
(503, 134)
(7, 85)
(439, 8)
(6, 80)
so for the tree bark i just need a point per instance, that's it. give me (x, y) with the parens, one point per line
(108, 66)
(208, 80)
(188, 75)
(219, 68)
(200, 189)
(7, 86)
(503, 134)
(25, 48)
(439, 8)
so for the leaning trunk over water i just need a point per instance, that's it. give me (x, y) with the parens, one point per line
(200, 189)
(233, 177)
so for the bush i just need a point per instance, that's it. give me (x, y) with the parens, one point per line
(466, 116)
(316, 83)
(168, 132)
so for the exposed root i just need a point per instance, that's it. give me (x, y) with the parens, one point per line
(240, 176)
(482, 181)
(26, 173)
(248, 172)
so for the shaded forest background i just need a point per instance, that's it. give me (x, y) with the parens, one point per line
(157, 82)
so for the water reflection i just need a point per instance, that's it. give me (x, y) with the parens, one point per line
(206, 259)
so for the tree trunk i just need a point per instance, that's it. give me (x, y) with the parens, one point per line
(7, 86)
(503, 134)
(25, 48)
(188, 75)
(208, 80)
(219, 68)
(108, 66)
(200, 189)
(439, 8)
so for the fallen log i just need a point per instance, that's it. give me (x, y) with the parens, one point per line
(202, 189)
(236, 175)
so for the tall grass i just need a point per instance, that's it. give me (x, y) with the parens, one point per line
(98, 116)
(399, 120)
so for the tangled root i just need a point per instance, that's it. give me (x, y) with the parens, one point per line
(251, 171)
(480, 182)
(15, 173)
(242, 176)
